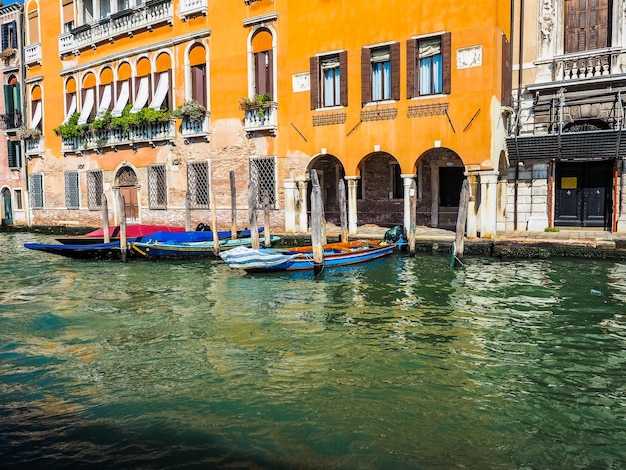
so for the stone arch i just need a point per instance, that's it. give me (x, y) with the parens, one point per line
(6, 208)
(440, 176)
(330, 171)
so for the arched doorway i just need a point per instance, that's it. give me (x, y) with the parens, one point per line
(126, 182)
(7, 208)
(380, 191)
(329, 171)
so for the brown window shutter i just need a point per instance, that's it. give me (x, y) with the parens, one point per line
(587, 25)
(315, 82)
(343, 78)
(446, 52)
(366, 75)
(270, 74)
(410, 69)
(507, 73)
(601, 14)
(395, 71)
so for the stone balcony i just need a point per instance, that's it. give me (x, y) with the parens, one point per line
(261, 118)
(585, 65)
(128, 22)
(189, 8)
(32, 54)
(192, 129)
(113, 138)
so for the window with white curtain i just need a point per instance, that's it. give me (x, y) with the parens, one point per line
(71, 109)
(35, 120)
(430, 66)
(142, 95)
(122, 99)
(381, 74)
(331, 80)
(88, 102)
(161, 92)
(105, 101)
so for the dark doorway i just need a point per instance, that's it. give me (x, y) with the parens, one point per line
(450, 183)
(583, 194)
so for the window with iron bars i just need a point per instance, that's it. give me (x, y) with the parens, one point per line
(95, 188)
(36, 191)
(71, 190)
(157, 187)
(198, 185)
(263, 171)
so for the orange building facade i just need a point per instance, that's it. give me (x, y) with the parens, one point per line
(372, 96)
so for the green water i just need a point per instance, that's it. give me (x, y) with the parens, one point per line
(399, 364)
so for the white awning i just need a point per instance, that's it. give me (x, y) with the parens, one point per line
(85, 112)
(122, 100)
(142, 96)
(71, 110)
(36, 119)
(105, 101)
(161, 92)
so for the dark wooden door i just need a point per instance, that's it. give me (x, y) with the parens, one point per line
(583, 195)
(131, 204)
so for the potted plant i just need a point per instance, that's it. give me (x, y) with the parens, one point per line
(257, 102)
(191, 111)
(8, 54)
(24, 133)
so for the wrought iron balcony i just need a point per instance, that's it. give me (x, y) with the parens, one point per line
(262, 118)
(112, 138)
(10, 120)
(190, 129)
(193, 7)
(124, 23)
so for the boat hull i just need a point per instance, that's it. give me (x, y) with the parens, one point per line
(94, 251)
(152, 249)
(301, 259)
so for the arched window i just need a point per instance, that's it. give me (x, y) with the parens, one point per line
(33, 23)
(142, 85)
(122, 88)
(88, 98)
(70, 99)
(197, 64)
(36, 111)
(163, 83)
(105, 91)
(263, 58)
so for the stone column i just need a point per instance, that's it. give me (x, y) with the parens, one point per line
(302, 224)
(406, 180)
(291, 204)
(488, 203)
(352, 203)
(538, 220)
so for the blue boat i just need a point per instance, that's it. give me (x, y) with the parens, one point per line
(301, 258)
(94, 251)
(190, 249)
(190, 237)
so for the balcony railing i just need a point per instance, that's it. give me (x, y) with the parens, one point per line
(261, 118)
(191, 129)
(145, 133)
(10, 120)
(32, 53)
(590, 64)
(193, 7)
(34, 147)
(123, 23)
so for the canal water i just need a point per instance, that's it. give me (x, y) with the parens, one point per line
(404, 363)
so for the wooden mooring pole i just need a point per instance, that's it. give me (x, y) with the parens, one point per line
(105, 219)
(233, 206)
(187, 212)
(343, 211)
(317, 225)
(252, 215)
(461, 222)
(266, 221)
(123, 243)
(216, 241)
(412, 217)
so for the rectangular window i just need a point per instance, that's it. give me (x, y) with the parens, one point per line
(71, 190)
(157, 187)
(329, 80)
(198, 84)
(263, 172)
(14, 150)
(428, 65)
(9, 35)
(36, 191)
(587, 25)
(95, 189)
(19, 200)
(198, 185)
(380, 73)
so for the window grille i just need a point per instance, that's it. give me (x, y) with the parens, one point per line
(263, 171)
(95, 188)
(198, 185)
(71, 190)
(157, 187)
(36, 191)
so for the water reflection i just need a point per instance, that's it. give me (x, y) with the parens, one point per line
(405, 363)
